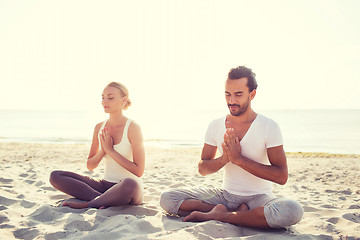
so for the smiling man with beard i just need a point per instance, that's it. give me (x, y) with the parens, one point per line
(253, 158)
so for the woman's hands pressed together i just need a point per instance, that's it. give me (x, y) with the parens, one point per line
(106, 141)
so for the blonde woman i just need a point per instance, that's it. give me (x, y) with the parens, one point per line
(118, 141)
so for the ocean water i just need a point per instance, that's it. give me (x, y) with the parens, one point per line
(331, 131)
(45, 126)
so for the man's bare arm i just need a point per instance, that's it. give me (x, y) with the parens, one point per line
(208, 163)
(276, 172)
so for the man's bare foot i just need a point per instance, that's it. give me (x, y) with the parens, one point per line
(243, 207)
(215, 214)
(76, 205)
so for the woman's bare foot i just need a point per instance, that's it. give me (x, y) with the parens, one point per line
(76, 205)
(215, 214)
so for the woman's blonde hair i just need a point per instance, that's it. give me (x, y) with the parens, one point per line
(124, 91)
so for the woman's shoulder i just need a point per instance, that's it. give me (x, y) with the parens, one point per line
(99, 125)
(134, 130)
(134, 126)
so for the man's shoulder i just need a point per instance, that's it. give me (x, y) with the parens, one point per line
(218, 121)
(268, 124)
(215, 131)
(217, 125)
(265, 119)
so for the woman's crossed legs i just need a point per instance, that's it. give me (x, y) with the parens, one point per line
(96, 193)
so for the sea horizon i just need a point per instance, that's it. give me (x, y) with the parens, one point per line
(304, 130)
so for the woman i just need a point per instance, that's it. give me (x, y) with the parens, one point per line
(120, 143)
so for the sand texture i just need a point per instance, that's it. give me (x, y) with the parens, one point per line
(327, 186)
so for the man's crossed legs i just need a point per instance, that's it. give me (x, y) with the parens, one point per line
(202, 204)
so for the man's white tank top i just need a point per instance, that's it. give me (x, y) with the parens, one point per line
(114, 172)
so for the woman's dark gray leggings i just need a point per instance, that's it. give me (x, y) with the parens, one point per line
(98, 193)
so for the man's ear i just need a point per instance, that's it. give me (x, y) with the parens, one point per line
(252, 94)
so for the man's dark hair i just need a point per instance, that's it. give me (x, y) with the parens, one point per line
(244, 72)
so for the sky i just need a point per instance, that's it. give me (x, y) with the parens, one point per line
(174, 56)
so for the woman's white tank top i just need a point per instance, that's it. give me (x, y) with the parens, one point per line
(114, 172)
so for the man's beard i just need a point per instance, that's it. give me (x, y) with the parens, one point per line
(241, 109)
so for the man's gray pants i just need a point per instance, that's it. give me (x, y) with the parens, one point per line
(279, 212)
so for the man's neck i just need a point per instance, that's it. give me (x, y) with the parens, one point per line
(246, 117)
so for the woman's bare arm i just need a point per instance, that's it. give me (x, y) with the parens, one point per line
(95, 155)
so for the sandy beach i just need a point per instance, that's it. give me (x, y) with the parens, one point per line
(327, 186)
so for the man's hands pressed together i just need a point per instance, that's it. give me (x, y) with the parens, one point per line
(232, 147)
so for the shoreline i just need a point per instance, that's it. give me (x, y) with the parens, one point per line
(182, 146)
(326, 185)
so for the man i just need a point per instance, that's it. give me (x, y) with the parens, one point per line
(252, 156)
